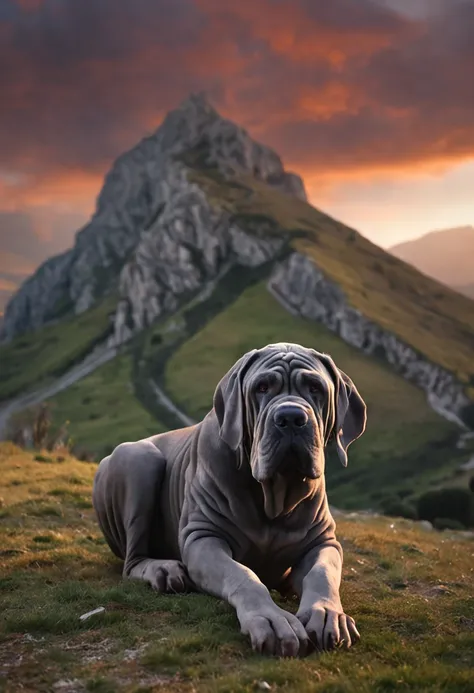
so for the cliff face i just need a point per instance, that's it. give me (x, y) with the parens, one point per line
(147, 193)
(303, 289)
(188, 245)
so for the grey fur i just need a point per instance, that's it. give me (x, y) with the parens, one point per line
(236, 505)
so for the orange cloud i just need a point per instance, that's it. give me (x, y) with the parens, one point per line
(328, 70)
(340, 89)
(303, 32)
(64, 189)
(7, 285)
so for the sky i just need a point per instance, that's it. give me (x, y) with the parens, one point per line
(371, 101)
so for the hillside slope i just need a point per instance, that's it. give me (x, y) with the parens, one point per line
(467, 289)
(409, 590)
(189, 222)
(406, 447)
(431, 319)
(446, 255)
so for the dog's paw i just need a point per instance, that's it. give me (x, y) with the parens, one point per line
(273, 631)
(167, 576)
(328, 627)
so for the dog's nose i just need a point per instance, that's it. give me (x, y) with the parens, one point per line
(290, 416)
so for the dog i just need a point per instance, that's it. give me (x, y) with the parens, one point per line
(236, 505)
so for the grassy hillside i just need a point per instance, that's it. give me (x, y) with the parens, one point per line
(430, 317)
(409, 590)
(103, 410)
(37, 357)
(406, 446)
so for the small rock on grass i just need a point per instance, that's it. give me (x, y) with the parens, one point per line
(99, 610)
(68, 686)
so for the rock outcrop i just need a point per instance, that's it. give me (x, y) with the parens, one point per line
(188, 246)
(304, 290)
(134, 204)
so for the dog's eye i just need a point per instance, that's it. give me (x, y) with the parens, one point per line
(262, 387)
(314, 389)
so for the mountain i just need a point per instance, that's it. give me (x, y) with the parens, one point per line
(147, 191)
(467, 289)
(447, 256)
(203, 246)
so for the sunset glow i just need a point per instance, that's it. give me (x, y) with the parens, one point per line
(373, 106)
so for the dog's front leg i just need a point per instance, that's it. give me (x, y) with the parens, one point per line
(213, 570)
(316, 579)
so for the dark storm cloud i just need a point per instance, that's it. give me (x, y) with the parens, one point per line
(83, 79)
(335, 86)
(433, 71)
(409, 101)
(78, 74)
(353, 15)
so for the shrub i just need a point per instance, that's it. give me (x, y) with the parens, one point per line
(41, 425)
(448, 503)
(43, 458)
(447, 523)
(32, 427)
(399, 508)
(404, 492)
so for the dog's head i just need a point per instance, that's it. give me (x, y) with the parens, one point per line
(277, 408)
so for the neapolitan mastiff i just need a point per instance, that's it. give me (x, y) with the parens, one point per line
(236, 505)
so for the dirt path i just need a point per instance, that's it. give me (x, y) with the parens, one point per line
(95, 359)
(166, 402)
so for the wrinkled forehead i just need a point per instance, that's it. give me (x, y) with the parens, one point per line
(288, 359)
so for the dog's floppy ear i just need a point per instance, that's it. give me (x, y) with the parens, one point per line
(350, 409)
(229, 402)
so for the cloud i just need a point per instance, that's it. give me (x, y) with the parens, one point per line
(30, 237)
(7, 284)
(83, 80)
(339, 89)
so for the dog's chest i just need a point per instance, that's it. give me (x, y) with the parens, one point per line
(271, 550)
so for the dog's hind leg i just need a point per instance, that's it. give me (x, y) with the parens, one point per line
(126, 498)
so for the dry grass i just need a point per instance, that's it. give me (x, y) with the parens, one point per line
(410, 591)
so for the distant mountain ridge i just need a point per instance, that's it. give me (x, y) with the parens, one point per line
(467, 290)
(446, 255)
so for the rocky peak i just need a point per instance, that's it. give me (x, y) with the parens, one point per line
(145, 184)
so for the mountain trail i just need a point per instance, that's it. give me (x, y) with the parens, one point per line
(166, 402)
(96, 358)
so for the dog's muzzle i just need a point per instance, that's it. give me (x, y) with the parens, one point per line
(289, 417)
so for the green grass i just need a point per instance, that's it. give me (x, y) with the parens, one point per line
(35, 357)
(433, 319)
(103, 410)
(406, 446)
(409, 590)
